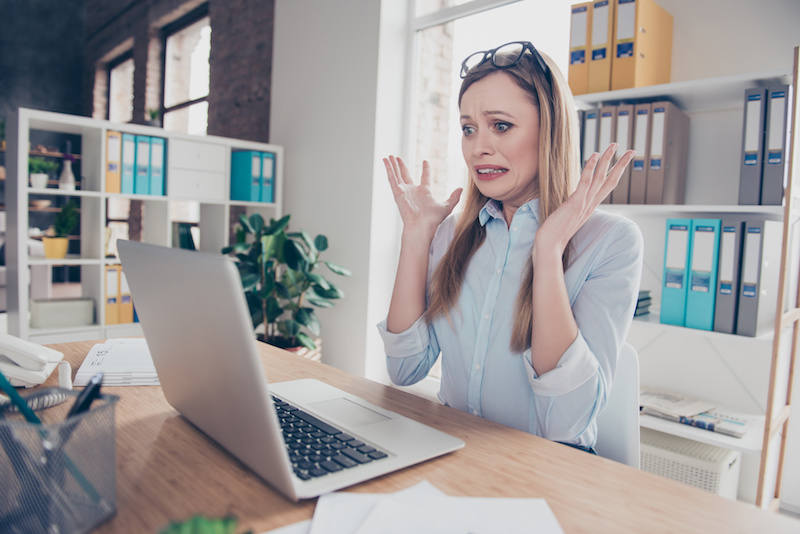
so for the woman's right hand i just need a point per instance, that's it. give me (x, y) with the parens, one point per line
(418, 209)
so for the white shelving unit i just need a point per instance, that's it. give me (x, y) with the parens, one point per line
(743, 375)
(195, 179)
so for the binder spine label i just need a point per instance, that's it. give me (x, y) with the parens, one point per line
(748, 290)
(701, 281)
(726, 288)
(577, 57)
(674, 278)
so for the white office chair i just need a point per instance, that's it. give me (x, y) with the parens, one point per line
(618, 424)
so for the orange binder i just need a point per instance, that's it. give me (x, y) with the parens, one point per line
(125, 299)
(641, 144)
(642, 44)
(112, 294)
(113, 161)
(602, 44)
(580, 28)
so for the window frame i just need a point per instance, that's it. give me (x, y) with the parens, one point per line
(110, 66)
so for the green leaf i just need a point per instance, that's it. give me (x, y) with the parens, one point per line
(277, 226)
(291, 327)
(306, 341)
(294, 255)
(282, 290)
(245, 222)
(338, 269)
(257, 222)
(321, 242)
(332, 292)
(274, 309)
(272, 247)
(308, 318)
(302, 234)
(249, 281)
(319, 303)
(315, 278)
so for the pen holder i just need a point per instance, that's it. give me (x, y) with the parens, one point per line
(59, 476)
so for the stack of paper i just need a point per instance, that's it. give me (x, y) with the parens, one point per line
(123, 362)
(423, 508)
(693, 412)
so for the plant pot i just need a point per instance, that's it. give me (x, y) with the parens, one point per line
(39, 180)
(55, 247)
(314, 355)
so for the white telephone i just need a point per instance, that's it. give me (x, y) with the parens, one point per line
(28, 364)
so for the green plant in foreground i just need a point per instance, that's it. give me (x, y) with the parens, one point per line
(280, 279)
(202, 525)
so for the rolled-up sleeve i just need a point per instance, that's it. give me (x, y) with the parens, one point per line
(409, 354)
(569, 396)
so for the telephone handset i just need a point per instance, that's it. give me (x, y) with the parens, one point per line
(25, 363)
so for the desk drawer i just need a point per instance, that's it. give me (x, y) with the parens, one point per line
(196, 184)
(193, 155)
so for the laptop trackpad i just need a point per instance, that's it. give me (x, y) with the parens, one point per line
(347, 412)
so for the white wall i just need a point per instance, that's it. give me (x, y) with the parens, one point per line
(337, 108)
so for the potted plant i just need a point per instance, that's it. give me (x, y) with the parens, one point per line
(154, 117)
(39, 170)
(56, 241)
(281, 281)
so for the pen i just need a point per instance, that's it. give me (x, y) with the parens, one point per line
(87, 396)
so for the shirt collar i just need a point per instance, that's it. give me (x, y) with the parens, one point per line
(493, 209)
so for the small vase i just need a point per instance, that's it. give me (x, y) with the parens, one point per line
(67, 178)
(39, 180)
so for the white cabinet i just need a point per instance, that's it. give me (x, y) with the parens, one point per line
(198, 171)
(745, 375)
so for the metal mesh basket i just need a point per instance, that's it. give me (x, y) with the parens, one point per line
(60, 476)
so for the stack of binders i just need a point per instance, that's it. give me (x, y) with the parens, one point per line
(658, 132)
(722, 275)
(135, 164)
(765, 137)
(252, 176)
(618, 44)
(643, 303)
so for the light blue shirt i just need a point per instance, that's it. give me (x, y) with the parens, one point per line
(480, 373)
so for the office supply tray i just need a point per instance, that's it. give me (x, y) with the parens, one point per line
(59, 476)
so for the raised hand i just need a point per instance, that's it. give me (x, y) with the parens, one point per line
(418, 209)
(595, 184)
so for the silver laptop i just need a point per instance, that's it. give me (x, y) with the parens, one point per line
(303, 437)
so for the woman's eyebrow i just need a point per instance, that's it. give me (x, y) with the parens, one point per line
(490, 113)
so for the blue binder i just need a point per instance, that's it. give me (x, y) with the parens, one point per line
(246, 175)
(157, 166)
(677, 246)
(267, 192)
(702, 290)
(141, 180)
(128, 163)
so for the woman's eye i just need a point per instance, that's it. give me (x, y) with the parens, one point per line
(468, 130)
(502, 126)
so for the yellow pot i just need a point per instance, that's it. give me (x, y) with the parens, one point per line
(55, 247)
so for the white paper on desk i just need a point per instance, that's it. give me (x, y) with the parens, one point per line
(462, 515)
(343, 512)
(123, 362)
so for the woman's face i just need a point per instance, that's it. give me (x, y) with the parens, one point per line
(500, 140)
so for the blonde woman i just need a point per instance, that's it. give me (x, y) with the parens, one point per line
(529, 292)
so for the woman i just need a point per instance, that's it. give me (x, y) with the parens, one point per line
(528, 294)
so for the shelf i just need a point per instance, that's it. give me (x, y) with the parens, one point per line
(653, 320)
(707, 94)
(71, 259)
(750, 443)
(668, 210)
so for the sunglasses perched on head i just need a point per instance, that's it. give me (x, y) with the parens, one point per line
(505, 57)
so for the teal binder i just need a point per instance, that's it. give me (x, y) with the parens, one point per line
(246, 175)
(157, 166)
(141, 181)
(676, 271)
(702, 289)
(128, 163)
(266, 191)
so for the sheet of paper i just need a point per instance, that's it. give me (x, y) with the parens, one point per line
(343, 512)
(462, 515)
(671, 403)
(123, 362)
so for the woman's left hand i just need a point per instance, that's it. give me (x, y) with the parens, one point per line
(595, 184)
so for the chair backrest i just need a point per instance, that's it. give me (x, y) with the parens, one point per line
(618, 424)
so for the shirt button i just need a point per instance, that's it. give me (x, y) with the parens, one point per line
(499, 270)
(474, 412)
(477, 367)
(486, 316)
(514, 228)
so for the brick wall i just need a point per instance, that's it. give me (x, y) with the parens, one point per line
(241, 58)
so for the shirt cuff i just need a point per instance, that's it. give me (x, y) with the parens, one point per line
(575, 367)
(410, 342)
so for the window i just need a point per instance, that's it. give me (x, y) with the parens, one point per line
(186, 74)
(446, 36)
(120, 89)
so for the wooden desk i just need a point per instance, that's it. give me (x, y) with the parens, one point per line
(167, 470)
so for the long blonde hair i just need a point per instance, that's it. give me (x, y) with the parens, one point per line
(559, 170)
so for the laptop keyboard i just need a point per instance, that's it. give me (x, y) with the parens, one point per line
(317, 448)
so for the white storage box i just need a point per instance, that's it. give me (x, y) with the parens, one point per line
(58, 313)
(707, 467)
